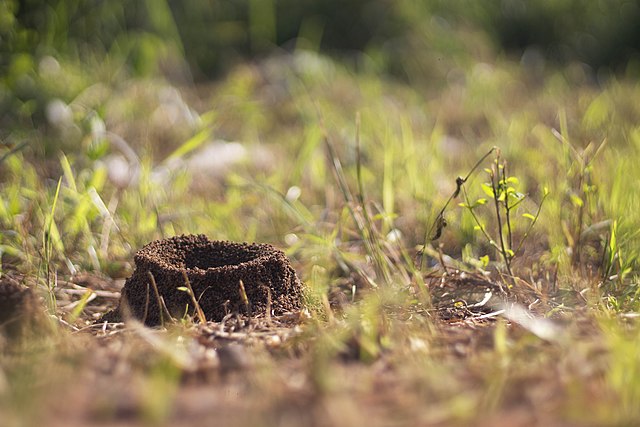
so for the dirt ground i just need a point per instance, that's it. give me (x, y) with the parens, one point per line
(464, 361)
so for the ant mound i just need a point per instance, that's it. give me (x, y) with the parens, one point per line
(223, 277)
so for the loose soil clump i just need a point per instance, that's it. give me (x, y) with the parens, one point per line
(215, 271)
(18, 308)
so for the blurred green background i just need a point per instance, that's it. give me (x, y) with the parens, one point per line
(201, 40)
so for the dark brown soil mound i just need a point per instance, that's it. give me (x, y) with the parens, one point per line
(18, 308)
(214, 270)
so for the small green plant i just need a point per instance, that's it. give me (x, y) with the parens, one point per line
(436, 229)
(504, 198)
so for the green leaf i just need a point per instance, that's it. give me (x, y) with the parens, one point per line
(576, 200)
(513, 180)
(183, 289)
(613, 244)
(488, 190)
(68, 173)
(510, 252)
(484, 260)
(191, 144)
(528, 215)
(79, 308)
(98, 148)
(51, 235)
(480, 202)
(597, 113)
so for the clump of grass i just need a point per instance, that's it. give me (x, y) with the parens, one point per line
(359, 211)
(582, 191)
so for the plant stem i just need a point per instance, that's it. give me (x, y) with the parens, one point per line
(503, 249)
(477, 221)
(507, 208)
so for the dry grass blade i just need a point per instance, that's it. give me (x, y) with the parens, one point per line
(201, 317)
(360, 214)
(244, 297)
(162, 308)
